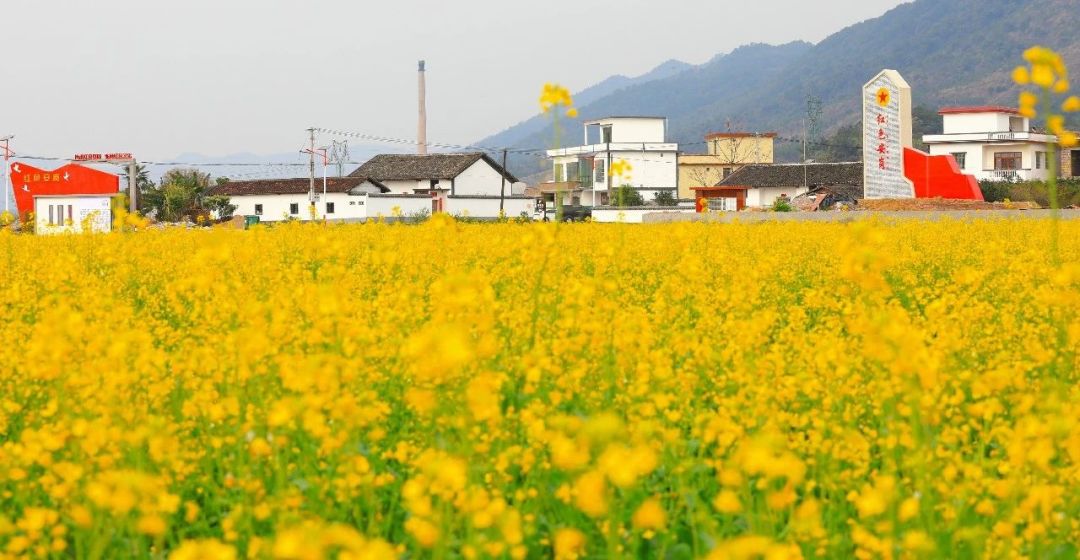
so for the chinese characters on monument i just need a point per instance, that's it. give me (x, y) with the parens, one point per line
(886, 132)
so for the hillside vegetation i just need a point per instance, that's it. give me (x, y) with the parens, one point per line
(952, 53)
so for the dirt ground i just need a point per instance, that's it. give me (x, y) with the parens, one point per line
(886, 205)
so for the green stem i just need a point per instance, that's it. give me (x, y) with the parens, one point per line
(1051, 187)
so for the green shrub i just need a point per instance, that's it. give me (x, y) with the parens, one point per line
(626, 195)
(1032, 191)
(665, 198)
(782, 204)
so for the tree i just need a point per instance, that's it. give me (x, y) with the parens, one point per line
(664, 198)
(219, 204)
(183, 193)
(626, 195)
(142, 178)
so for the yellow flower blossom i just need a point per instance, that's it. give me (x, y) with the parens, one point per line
(650, 515)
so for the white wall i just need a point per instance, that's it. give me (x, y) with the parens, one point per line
(96, 211)
(629, 130)
(978, 122)
(764, 196)
(480, 178)
(275, 207)
(371, 206)
(384, 205)
(488, 207)
(407, 187)
(973, 160)
(609, 215)
(980, 157)
(652, 170)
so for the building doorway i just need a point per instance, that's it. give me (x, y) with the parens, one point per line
(1075, 161)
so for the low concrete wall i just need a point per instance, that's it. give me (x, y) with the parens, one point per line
(752, 217)
(632, 214)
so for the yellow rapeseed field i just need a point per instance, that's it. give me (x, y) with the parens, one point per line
(450, 390)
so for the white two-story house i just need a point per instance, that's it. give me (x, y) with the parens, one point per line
(992, 143)
(583, 173)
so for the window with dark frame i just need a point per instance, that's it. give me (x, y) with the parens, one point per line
(1007, 160)
(258, 210)
(572, 171)
(294, 208)
(329, 207)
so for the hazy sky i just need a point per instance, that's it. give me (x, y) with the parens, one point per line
(226, 76)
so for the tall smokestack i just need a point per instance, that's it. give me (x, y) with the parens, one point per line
(421, 126)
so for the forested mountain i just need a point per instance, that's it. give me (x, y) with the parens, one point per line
(951, 52)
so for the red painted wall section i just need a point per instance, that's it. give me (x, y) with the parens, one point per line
(28, 181)
(939, 176)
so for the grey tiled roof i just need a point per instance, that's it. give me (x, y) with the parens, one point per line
(408, 167)
(792, 175)
(290, 186)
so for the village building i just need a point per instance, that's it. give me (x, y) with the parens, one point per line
(727, 152)
(582, 174)
(995, 143)
(291, 199)
(461, 184)
(1069, 167)
(73, 213)
(758, 186)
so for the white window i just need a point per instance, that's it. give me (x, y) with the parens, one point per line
(601, 166)
(1040, 160)
(960, 157)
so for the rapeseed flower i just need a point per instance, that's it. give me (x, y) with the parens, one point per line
(879, 388)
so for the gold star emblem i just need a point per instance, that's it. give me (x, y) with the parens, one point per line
(883, 97)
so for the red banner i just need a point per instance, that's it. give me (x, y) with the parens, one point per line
(28, 181)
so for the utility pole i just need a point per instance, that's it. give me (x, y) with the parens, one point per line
(804, 153)
(311, 167)
(325, 160)
(133, 183)
(4, 175)
(502, 190)
(323, 152)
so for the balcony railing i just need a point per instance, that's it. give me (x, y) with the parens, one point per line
(1011, 174)
(562, 186)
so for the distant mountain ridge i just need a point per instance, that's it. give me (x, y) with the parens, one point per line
(522, 131)
(957, 52)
